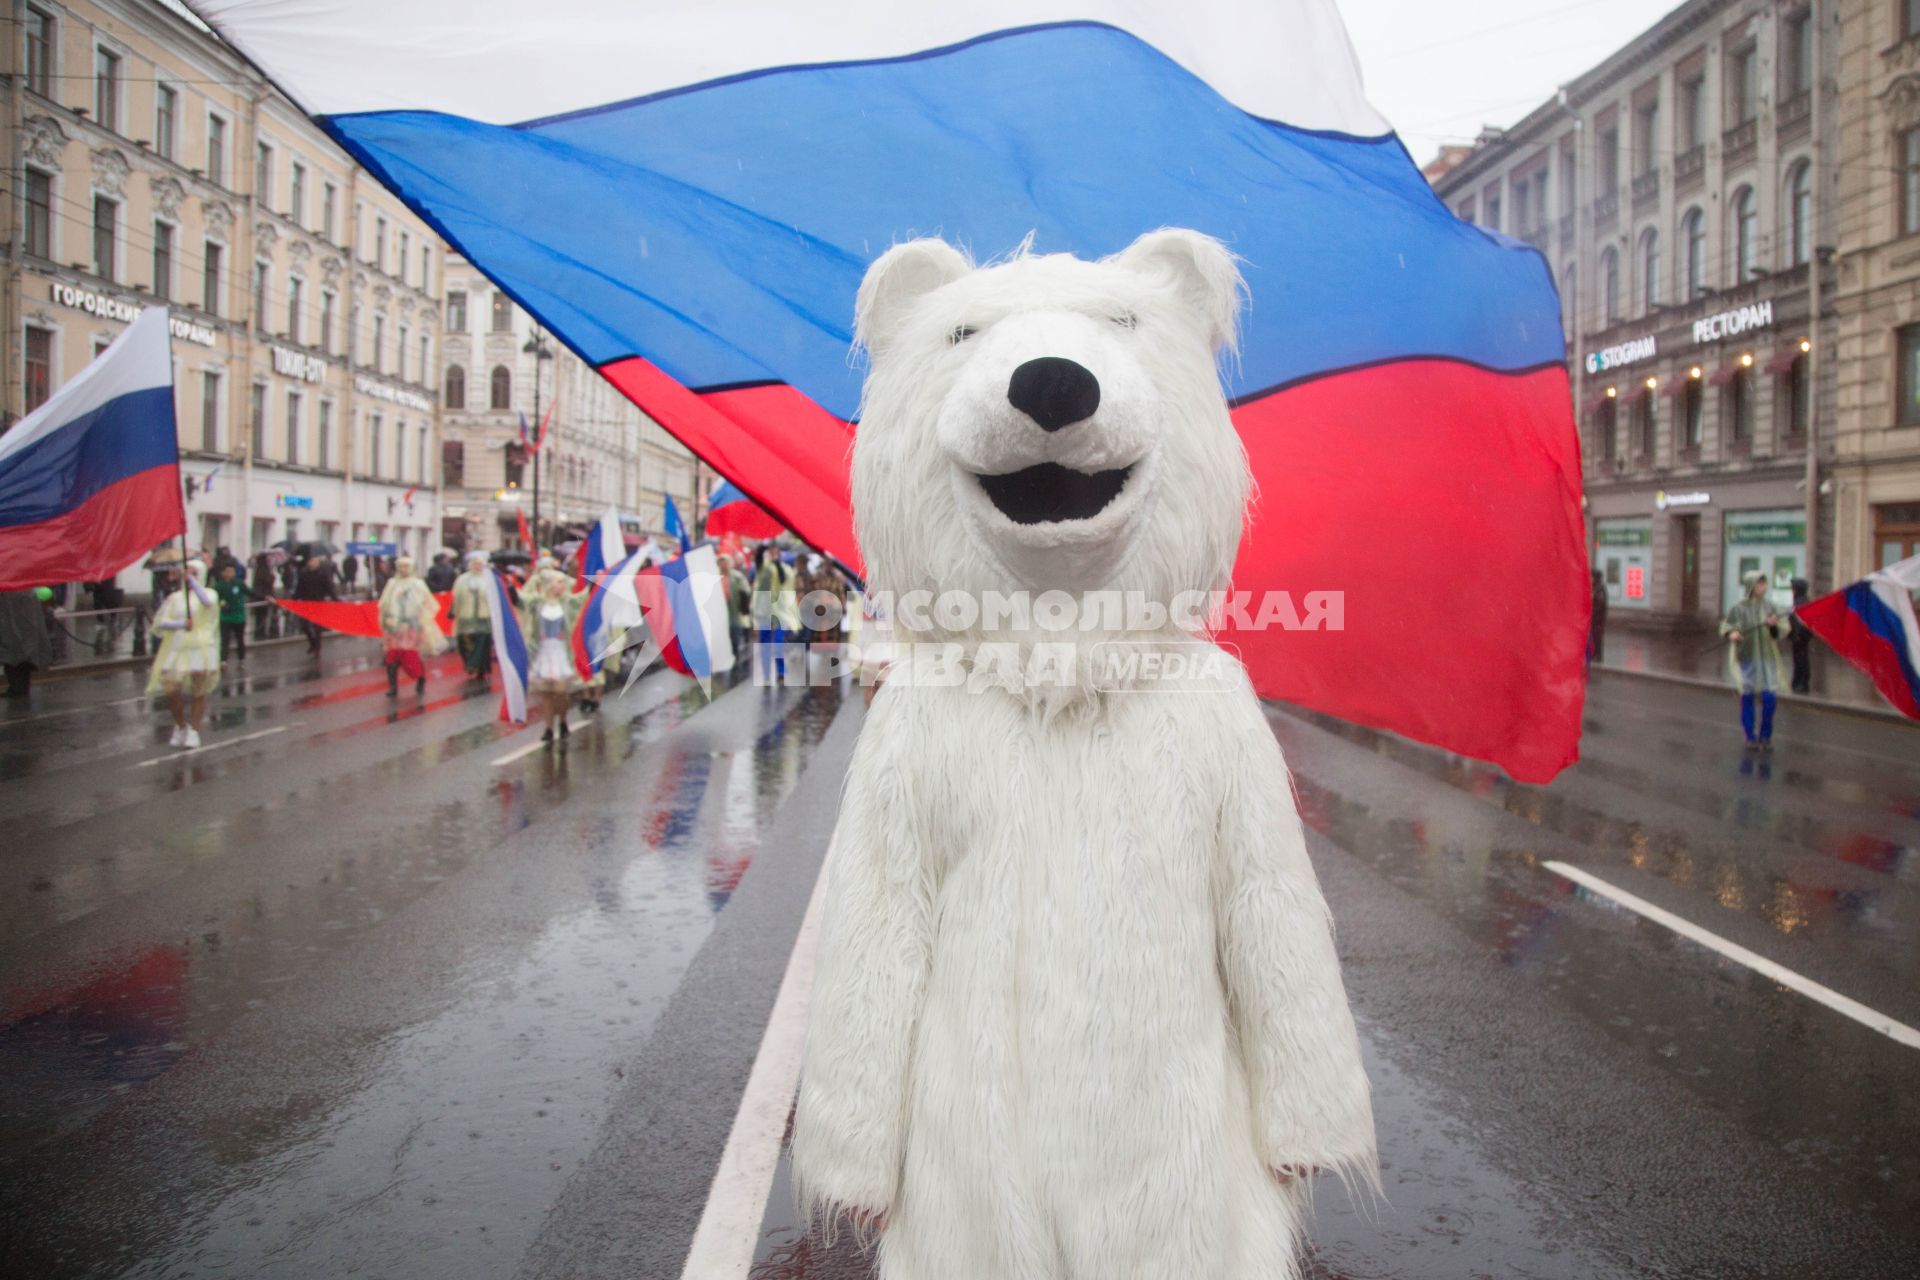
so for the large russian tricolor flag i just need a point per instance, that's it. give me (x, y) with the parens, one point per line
(90, 481)
(1871, 623)
(688, 194)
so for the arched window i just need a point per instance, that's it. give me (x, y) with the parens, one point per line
(1649, 269)
(502, 397)
(456, 394)
(1610, 284)
(1746, 231)
(1799, 212)
(1693, 235)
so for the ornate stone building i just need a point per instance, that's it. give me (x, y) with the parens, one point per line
(155, 166)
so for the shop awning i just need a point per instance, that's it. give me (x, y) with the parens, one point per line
(1722, 376)
(1593, 402)
(1783, 359)
(1678, 386)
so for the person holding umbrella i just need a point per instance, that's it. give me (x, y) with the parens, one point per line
(187, 666)
(410, 625)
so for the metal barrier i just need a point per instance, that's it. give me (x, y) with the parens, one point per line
(85, 636)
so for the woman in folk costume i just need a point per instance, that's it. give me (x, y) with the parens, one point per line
(1752, 628)
(473, 616)
(549, 608)
(186, 667)
(410, 624)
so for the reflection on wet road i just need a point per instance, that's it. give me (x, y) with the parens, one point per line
(354, 995)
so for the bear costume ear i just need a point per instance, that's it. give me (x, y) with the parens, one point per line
(897, 279)
(1200, 271)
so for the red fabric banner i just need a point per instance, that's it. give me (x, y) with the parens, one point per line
(358, 617)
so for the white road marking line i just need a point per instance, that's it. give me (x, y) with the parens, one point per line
(530, 748)
(1896, 1031)
(213, 746)
(729, 1230)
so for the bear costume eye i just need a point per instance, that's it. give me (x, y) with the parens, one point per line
(1125, 319)
(960, 333)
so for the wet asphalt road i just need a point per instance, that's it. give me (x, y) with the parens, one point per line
(345, 994)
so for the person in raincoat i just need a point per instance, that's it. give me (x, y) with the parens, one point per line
(1752, 629)
(548, 609)
(24, 642)
(186, 667)
(473, 616)
(409, 622)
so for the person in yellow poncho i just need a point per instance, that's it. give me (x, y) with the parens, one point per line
(186, 667)
(410, 625)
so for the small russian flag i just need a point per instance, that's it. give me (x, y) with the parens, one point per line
(511, 648)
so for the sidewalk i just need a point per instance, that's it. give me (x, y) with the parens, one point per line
(1689, 659)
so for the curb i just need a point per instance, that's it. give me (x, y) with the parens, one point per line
(1886, 714)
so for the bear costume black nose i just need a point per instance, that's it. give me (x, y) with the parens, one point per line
(1054, 391)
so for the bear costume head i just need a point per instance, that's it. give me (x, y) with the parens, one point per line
(1048, 423)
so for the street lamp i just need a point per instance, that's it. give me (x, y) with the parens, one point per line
(536, 346)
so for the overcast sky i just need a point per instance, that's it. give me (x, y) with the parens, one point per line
(1439, 69)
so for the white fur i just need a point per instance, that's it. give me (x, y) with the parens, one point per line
(1076, 994)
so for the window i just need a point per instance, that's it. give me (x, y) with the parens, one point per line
(1522, 205)
(1907, 376)
(453, 464)
(1743, 85)
(501, 389)
(380, 242)
(263, 175)
(1910, 18)
(297, 193)
(1646, 137)
(1693, 235)
(502, 312)
(257, 420)
(329, 198)
(420, 449)
(323, 433)
(293, 426)
(1739, 406)
(1493, 210)
(260, 270)
(163, 259)
(1643, 425)
(1608, 160)
(210, 278)
(106, 226)
(1649, 269)
(516, 460)
(39, 52)
(1799, 213)
(457, 311)
(106, 88)
(425, 363)
(374, 433)
(216, 150)
(379, 341)
(39, 226)
(1693, 112)
(327, 299)
(456, 387)
(1569, 179)
(1797, 57)
(1610, 285)
(1692, 416)
(400, 450)
(1746, 231)
(37, 369)
(426, 260)
(406, 251)
(1796, 398)
(210, 410)
(1910, 181)
(296, 303)
(400, 355)
(1605, 429)
(166, 116)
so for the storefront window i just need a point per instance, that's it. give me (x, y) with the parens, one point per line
(1907, 376)
(1896, 533)
(1769, 542)
(1623, 553)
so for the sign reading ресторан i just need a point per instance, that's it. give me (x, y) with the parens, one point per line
(108, 307)
(1728, 324)
(396, 395)
(1621, 354)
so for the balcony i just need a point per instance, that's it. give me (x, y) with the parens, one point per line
(1646, 190)
(1606, 209)
(1792, 116)
(1689, 165)
(1737, 143)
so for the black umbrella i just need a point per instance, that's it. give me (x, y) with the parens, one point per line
(318, 549)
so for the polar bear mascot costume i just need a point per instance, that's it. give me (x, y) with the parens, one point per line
(1077, 1013)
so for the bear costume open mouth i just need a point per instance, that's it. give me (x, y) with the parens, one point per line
(1048, 493)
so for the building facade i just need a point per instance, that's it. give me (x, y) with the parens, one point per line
(1681, 195)
(153, 165)
(1874, 485)
(599, 450)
